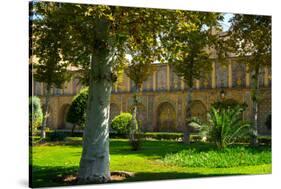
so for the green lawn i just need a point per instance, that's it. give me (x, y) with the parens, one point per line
(157, 160)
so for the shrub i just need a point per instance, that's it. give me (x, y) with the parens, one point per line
(77, 110)
(56, 136)
(164, 135)
(224, 127)
(121, 123)
(35, 114)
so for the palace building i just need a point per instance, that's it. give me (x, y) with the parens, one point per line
(163, 96)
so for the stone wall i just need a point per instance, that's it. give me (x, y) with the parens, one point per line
(163, 96)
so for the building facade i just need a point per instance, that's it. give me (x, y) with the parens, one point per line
(163, 95)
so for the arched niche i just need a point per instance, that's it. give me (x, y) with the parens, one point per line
(199, 110)
(264, 110)
(166, 118)
(62, 123)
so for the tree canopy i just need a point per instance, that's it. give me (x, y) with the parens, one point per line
(97, 38)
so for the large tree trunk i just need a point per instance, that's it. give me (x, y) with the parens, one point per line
(186, 138)
(255, 91)
(46, 113)
(94, 163)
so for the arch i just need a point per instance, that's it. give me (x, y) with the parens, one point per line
(166, 118)
(62, 123)
(161, 100)
(114, 111)
(199, 110)
(264, 109)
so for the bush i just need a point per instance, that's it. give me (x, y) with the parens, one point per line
(164, 136)
(121, 123)
(224, 127)
(35, 114)
(56, 136)
(77, 110)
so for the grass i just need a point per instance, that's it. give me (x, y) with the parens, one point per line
(51, 162)
(230, 157)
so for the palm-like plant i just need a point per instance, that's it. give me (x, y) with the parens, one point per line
(224, 126)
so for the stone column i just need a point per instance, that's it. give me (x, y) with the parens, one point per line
(71, 86)
(115, 86)
(182, 84)
(229, 75)
(247, 77)
(197, 84)
(213, 75)
(154, 81)
(42, 89)
(121, 106)
(266, 76)
(129, 84)
(168, 77)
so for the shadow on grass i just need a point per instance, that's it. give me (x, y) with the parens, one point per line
(46, 176)
(150, 176)
(55, 176)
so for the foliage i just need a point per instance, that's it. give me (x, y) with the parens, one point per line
(97, 37)
(229, 104)
(121, 123)
(229, 157)
(50, 68)
(250, 40)
(56, 136)
(47, 43)
(224, 126)
(35, 114)
(77, 110)
(138, 72)
(189, 51)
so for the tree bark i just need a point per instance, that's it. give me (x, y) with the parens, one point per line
(254, 139)
(94, 163)
(73, 128)
(46, 113)
(186, 137)
(134, 122)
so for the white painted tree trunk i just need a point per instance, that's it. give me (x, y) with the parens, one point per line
(94, 163)
(255, 92)
(46, 113)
